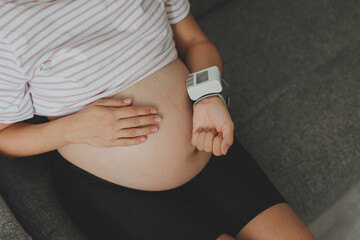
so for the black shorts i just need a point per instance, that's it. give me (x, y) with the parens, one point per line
(230, 191)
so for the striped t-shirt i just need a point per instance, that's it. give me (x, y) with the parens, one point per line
(58, 56)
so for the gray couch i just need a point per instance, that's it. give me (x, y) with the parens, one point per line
(294, 71)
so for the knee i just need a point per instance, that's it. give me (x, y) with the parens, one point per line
(225, 237)
(278, 222)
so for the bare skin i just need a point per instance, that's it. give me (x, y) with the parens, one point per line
(225, 237)
(277, 222)
(167, 158)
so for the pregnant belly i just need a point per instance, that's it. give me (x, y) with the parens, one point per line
(166, 159)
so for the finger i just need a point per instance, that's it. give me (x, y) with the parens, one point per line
(217, 145)
(132, 111)
(128, 141)
(208, 143)
(200, 141)
(135, 132)
(113, 102)
(195, 137)
(137, 121)
(228, 137)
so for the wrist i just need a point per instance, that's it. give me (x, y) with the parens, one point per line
(67, 123)
(210, 99)
(204, 84)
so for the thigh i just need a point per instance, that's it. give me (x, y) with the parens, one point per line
(104, 210)
(232, 189)
(278, 222)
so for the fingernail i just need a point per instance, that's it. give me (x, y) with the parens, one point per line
(127, 100)
(157, 119)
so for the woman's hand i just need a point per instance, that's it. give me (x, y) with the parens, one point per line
(211, 114)
(111, 122)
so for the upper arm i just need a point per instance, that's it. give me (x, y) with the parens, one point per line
(185, 29)
(186, 33)
(15, 99)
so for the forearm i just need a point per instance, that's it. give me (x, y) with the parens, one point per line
(23, 139)
(201, 55)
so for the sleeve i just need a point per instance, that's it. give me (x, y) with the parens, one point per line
(176, 10)
(15, 101)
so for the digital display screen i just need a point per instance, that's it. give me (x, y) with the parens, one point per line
(202, 77)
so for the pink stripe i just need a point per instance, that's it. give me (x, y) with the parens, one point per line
(110, 93)
(23, 113)
(137, 79)
(79, 24)
(10, 68)
(27, 103)
(27, 20)
(10, 10)
(125, 86)
(98, 87)
(105, 83)
(172, 18)
(6, 51)
(87, 36)
(62, 25)
(18, 112)
(47, 26)
(115, 67)
(122, 62)
(174, 4)
(2, 5)
(10, 90)
(105, 87)
(5, 74)
(8, 59)
(7, 102)
(51, 57)
(37, 23)
(131, 44)
(19, 14)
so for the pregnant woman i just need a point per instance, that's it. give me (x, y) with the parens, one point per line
(75, 62)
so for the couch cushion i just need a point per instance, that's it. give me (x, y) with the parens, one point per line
(26, 186)
(9, 226)
(292, 68)
(265, 45)
(199, 8)
(308, 139)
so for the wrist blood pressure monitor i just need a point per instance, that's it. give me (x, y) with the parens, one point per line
(206, 83)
